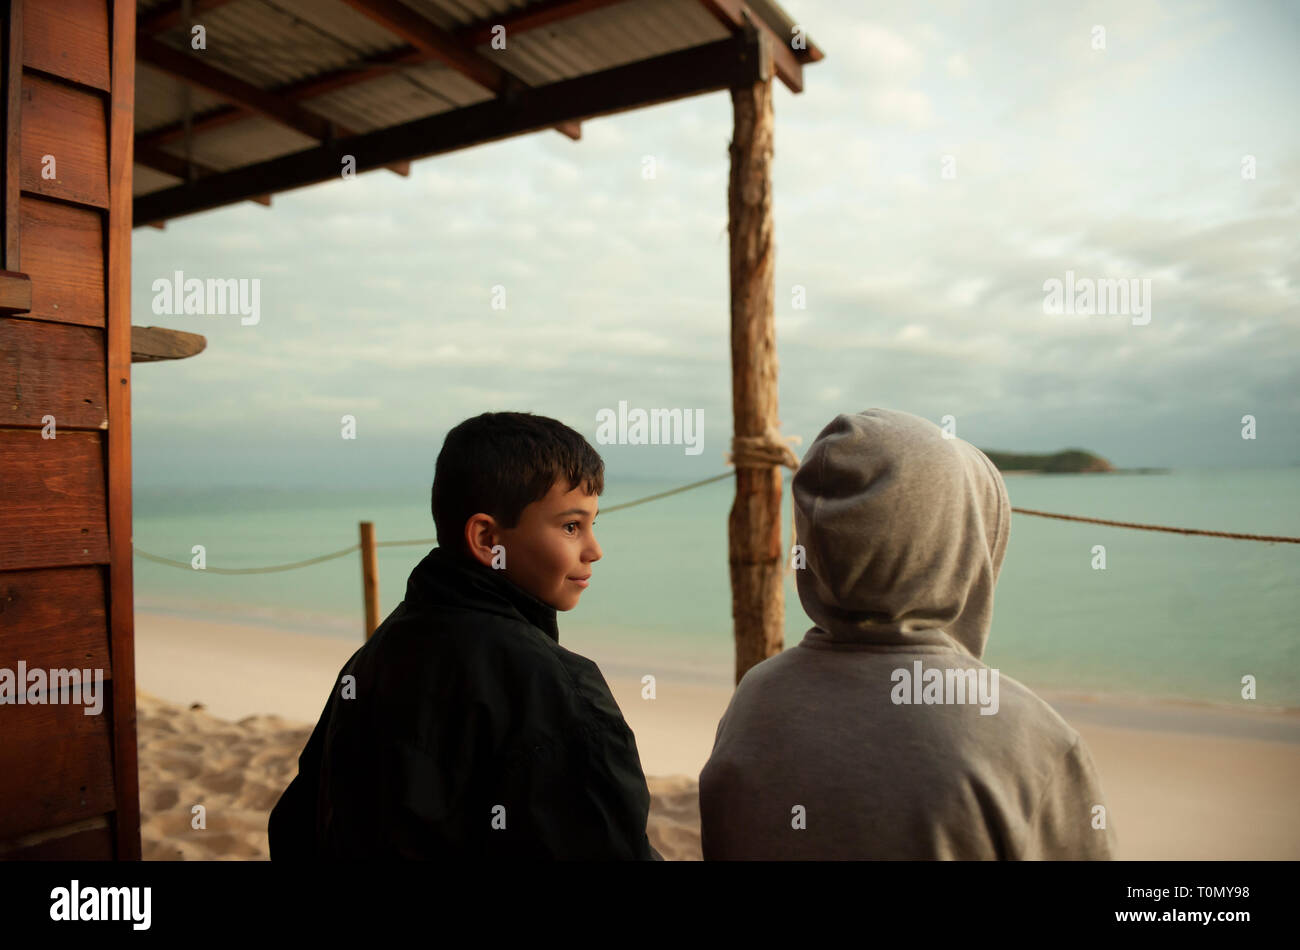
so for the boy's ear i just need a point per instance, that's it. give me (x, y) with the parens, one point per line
(480, 536)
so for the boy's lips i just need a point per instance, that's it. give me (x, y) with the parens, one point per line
(582, 581)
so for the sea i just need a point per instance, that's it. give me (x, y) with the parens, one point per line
(1171, 617)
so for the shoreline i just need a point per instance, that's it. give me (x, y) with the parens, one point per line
(313, 649)
(1182, 780)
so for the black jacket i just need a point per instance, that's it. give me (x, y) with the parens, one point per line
(466, 731)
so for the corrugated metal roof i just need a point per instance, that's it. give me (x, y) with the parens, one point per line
(416, 92)
(451, 15)
(159, 98)
(605, 38)
(145, 180)
(243, 143)
(272, 44)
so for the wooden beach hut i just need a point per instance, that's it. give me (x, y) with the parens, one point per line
(122, 114)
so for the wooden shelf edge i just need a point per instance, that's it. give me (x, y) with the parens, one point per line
(152, 344)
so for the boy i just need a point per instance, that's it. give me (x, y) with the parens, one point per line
(882, 735)
(462, 729)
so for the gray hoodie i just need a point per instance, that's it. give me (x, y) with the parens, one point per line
(881, 734)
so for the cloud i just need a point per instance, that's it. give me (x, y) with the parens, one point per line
(922, 292)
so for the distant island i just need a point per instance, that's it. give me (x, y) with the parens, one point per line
(1067, 460)
(1058, 463)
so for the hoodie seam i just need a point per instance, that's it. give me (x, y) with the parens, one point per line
(1051, 784)
(814, 542)
(841, 645)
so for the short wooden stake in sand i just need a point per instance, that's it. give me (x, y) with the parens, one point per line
(369, 576)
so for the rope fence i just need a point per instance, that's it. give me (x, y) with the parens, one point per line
(1271, 539)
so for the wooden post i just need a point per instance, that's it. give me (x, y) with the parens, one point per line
(117, 234)
(754, 527)
(369, 576)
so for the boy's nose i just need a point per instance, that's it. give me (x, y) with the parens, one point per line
(595, 551)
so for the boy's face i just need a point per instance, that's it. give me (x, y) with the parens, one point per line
(552, 546)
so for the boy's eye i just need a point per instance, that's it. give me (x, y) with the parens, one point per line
(571, 524)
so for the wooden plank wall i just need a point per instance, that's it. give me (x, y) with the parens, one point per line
(68, 781)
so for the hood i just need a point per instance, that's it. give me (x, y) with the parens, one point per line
(444, 579)
(904, 533)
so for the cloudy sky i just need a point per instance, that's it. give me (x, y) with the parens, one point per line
(924, 291)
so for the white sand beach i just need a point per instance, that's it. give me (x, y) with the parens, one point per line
(1188, 782)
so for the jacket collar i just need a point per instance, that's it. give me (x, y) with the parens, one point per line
(443, 578)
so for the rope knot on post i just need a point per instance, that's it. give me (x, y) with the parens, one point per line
(763, 451)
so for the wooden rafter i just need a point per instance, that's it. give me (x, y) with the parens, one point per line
(193, 70)
(467, 38)
(455, 51)
(379, 65)
(440, 45)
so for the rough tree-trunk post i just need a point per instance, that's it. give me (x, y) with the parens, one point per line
(754, 527)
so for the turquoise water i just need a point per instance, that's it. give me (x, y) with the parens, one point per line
(1172, 616)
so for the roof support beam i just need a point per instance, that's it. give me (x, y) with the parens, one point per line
(735, 14)
(741, 59)
(170, 164)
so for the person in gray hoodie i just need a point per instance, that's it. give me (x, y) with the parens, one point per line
(881, 734)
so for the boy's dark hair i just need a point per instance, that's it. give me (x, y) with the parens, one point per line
(501, 462)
